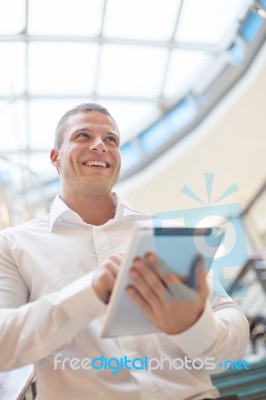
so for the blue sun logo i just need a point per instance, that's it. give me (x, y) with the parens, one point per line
(232, 253)
(209, 177)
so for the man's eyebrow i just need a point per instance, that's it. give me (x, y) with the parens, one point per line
(115, 134)
(81, 130)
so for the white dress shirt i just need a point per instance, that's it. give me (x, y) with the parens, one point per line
(48, 306)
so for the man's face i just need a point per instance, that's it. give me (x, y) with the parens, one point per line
(89, 158)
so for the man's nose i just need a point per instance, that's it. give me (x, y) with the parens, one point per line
(98, 145)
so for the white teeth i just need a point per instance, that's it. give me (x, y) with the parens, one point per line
(96, 163)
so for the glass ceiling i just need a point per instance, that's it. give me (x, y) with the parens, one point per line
(135, 57)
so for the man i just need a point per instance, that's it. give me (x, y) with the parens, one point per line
(58, 272)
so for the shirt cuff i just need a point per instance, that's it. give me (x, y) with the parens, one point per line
(79, 300)
(200, 336)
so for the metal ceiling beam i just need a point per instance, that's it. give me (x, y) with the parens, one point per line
(100, 39)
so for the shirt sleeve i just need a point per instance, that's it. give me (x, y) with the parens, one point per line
(32, 331)
(221, 333)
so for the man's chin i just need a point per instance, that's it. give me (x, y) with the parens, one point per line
(93, 189)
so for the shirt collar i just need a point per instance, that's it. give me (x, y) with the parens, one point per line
(123, 208)
(61, 212)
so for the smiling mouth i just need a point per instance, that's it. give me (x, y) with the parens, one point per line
(100, 164)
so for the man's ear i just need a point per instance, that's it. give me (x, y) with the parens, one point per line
(54, 157)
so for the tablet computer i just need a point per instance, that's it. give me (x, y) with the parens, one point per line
(178, 249)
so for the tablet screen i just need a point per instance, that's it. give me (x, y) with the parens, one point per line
(181, 249)
(178, 249)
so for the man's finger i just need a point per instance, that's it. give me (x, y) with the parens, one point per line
(203, 286)
(138, 299)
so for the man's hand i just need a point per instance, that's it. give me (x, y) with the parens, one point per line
(104, 278)
(167, 302)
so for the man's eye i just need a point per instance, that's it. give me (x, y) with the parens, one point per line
(112, 139)
(83, 134)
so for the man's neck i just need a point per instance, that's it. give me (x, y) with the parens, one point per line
(93, 210)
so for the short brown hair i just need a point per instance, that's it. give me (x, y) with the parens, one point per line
(84, 107)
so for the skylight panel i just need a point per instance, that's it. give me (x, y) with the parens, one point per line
(130, 115)
(40, 164)
(208, 21)
(129, 156)
(162, 130)
(12, 126)
(61, 68)
(131, 70)
(65, 17)
(12, 69)
(140, 19)
(12, 16)
(251, 26)
(10, 173)
(184, 67)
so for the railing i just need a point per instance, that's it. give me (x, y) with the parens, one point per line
(247, 384)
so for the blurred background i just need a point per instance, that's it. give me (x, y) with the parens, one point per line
(185, 81)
